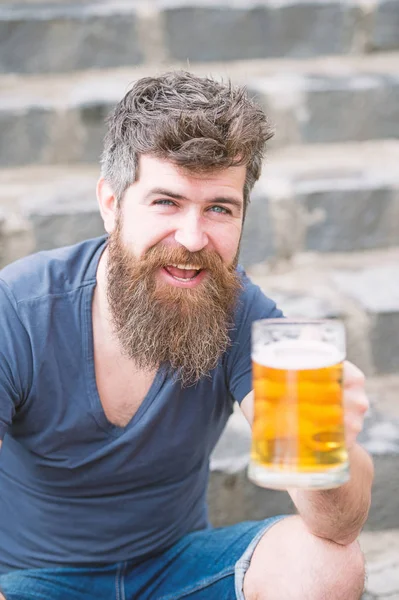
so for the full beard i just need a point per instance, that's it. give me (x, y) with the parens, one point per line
(155, 322)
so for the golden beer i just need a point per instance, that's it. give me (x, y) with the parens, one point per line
(298, 435)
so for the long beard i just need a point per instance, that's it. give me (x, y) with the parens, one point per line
(155, 322)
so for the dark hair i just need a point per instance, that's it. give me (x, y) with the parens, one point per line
(195, 122)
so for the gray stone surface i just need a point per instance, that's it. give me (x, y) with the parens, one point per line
(24, 135)
(57, 38)
(385, 34)
(334, 200)
(375, 288)
(351, 108)
(377, 291)
(62, 214)
(226, 31)
(258, 236)
(46, 208)
(92, 126)
(381, 550)
(383, 578)
(385, 343)
(64, 228)
(335, 107)
(306, 306)
(51, 135)
(354, 214)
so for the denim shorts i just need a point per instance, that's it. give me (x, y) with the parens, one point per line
(203, 565)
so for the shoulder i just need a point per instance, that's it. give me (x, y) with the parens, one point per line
(55, 271)
(253, 303)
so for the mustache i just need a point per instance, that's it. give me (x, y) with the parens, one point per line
(162, 256)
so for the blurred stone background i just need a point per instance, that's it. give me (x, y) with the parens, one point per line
(322, 232)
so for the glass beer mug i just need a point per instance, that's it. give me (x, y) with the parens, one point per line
(298, 429)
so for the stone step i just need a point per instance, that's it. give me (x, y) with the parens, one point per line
(326, 198)
(60, 118)
(360, 288)
(329, 198)
(53, 37)
(381, 551)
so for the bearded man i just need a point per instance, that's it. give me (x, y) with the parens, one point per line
(121, 360)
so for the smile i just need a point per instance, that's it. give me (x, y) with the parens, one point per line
(184, 276)
(183, 272)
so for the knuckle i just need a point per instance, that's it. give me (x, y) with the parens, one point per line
(353, 425)
(364, 404)
(353, 375)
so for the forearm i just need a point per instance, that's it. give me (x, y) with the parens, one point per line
(340, 513)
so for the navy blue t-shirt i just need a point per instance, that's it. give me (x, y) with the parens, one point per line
(75, 489)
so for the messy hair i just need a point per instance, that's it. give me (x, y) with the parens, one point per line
(195, 122)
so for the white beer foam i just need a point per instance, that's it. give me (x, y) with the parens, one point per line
(297, 354)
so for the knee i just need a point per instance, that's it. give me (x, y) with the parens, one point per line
(289, 558)
(347, 573)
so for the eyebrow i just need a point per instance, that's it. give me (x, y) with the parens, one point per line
(218, 200)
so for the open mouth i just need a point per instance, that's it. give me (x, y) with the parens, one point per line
(183, 272)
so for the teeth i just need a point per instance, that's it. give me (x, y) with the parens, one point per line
(184, 280)
(187, 267)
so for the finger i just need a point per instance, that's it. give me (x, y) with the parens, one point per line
(356, 401)
(353, 425)
(353, 376)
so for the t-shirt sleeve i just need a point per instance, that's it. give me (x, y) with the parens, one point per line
(15, 359)
(253, 305)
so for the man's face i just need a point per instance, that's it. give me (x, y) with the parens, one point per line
(175, 209)
(171, 279)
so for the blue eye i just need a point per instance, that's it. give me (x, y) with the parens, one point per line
(221, 210)
(164, 202)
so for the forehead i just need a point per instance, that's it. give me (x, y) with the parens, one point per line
(153, 170)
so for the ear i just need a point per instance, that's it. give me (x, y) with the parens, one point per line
(107, 203)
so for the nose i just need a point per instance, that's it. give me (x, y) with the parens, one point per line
(191, 234)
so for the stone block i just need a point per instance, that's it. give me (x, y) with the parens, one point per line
(383, 578)
(376, 290)
(257, 242)
(65, 228)
(282, 98)
(92, 124)
(348, 213)
(359, 107)
(305, 306)
(233, 498)
(385, 33)
(306, 108)
(239, 31)
(385, 343)
(24, 135)
(50, 135)
(59, 206)
(52, 38)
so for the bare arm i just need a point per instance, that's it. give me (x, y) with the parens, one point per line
(340, 513)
